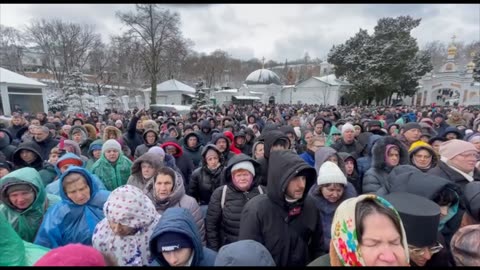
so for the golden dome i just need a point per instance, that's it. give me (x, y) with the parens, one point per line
(452, 50)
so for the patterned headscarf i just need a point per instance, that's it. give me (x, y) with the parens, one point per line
(127, 205)
(344, 246)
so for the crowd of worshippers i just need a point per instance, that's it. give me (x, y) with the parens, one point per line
(263, 185)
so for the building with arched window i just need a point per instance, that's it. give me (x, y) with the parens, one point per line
(450, 85)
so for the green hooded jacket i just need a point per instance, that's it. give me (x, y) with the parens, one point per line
(91, 158)
(333, 130)
(14, 251)
(115, 175)
(26, 222)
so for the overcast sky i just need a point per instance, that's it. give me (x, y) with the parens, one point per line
(273, 31)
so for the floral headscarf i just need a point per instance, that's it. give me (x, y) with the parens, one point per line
(127, 205)
(344, 247)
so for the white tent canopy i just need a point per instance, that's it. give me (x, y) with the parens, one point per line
(172, 85)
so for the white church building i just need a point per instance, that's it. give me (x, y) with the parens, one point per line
(450, 85)
(265, 86)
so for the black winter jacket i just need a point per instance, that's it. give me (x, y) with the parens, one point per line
(223, 225)
(293, 240)
(270, 138)
(204, 181)
(444, 171)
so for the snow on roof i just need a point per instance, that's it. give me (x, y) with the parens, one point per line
(227, 91)
(331, 80)
(263, 76)
(256, 93)
(10, 77)
(247, 97)
(172, 85)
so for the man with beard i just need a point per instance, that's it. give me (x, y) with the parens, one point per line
(44, 139)
(285, 220)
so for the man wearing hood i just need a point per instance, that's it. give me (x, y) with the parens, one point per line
(45, 141)
(24, 201)
(275, 140)
(79, 135)
(6, 146)
(150, 137)
(176, 241)
(285, 220)
(244, 253)
(205, 131)
(439, 123)
(222, 142)
(192, 146)
(28, 155)
(240, 142)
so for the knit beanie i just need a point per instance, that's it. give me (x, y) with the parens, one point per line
(118, 122)
(95, 147)
(171, 241)
(474, 137)
(111, 144)
(406, 127)
(245, 165)
(330, 173)
(455, 147)
(465, 245)
(18, 187)
(158, 151)
(69, 161)
(72, 255)
(346, 127)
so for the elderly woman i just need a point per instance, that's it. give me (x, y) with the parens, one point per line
(73, 219)
(366, 231)
(166, 190)
(130, 218)
(144, 170)
(113, 167)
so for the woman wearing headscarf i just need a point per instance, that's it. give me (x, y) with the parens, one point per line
(360, 225)
(144, 170)
(130, 218)
(166, 190)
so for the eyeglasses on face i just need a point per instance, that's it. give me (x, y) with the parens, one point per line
(421, 251)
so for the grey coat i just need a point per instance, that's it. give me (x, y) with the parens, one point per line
(376, 176)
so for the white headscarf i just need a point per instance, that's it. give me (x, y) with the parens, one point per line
(127, 205)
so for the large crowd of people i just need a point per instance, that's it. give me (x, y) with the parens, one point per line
(242, 185)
